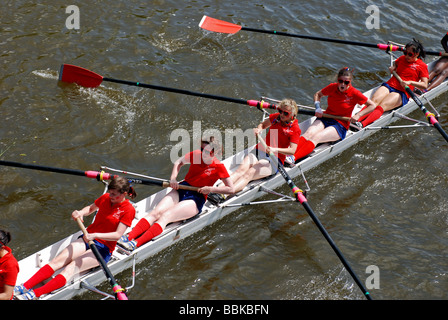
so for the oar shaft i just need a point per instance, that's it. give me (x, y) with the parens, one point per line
(116, 287)
(174, 90)
(335, 249)
(349, 42)
(93, 174)
(45, 168)
(293, 35)
(302, 199)
(252, 103)
(163, 183)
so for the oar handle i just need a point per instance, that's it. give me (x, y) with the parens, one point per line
(166, 184)
(83, 228)
(326, 115)
(395, 74)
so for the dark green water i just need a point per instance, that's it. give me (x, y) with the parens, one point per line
(384, 201)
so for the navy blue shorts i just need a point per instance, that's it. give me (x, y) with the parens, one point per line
(404, 97)
(102, 248)
(197, 197)
(333, 123)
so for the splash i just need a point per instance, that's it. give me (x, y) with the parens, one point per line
(47, 74)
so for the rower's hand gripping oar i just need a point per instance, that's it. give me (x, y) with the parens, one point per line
(220, 26)
(430, 116)
(99, 175)
(119, 292)
(302, 199)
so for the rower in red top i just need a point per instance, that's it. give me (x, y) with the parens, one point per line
(342, 99)
(9, 267)
(114, 216)
(179, 204)
(392, 94)
(282, 139)
(440, 70)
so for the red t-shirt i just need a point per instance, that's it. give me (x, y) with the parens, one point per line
(413, 71)
(109, 217)
(201, 174)
(281, 135)
(9, 268)
(342, 103)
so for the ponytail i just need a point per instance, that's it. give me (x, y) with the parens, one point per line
(5, 238)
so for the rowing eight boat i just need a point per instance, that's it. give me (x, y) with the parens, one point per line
(122, 260)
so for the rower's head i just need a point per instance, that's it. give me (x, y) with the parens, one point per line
(5, 238)
(345, 77)
(119, 188)
(288, 110)
(210, 147)
(414, 50)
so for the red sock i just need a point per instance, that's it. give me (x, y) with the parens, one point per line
(152, 232)
(139, 229)
(57, 282)
(364, 116)
(372, 116)
(304, 148)
(42, 274)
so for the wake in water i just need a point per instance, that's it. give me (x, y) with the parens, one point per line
(110, 100)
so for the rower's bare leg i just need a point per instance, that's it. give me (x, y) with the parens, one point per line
(182, 211)
(258, 171)
(247, 163)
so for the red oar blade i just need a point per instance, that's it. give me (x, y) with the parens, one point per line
(216, 25)
(80, 76)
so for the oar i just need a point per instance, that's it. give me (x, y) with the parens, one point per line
(93, 174)
(430, 116)
(119, 292)
(86, 78)
(302, 199)
(216, 25)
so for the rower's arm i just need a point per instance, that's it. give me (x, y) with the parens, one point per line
(226, 187)
(109, 236)
(291, 150)
(370, 106)
(318, 95)
(88, 210)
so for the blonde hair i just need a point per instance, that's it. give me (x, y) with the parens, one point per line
(291, 104)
